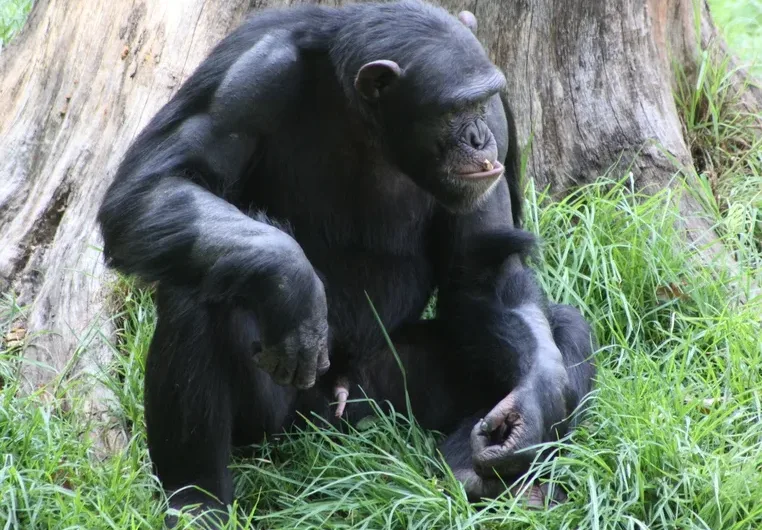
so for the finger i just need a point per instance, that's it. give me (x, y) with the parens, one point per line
(284, 373)
(491, 458)
(306, 370)
(482, 437)
(476, 487)
(500, 413)
(520, 435)
(324, 363)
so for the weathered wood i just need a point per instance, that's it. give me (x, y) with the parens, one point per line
(75, 88)
(590, 83)
(682, 35)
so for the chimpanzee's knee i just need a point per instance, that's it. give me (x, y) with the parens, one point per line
(574, 337)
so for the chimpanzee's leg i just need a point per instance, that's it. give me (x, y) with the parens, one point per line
(199, 381)
(575, 341)
(447, 397)
(439, 393)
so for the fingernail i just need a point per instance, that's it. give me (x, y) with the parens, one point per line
(485, 427)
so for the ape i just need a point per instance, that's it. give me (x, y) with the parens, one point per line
(319, 154)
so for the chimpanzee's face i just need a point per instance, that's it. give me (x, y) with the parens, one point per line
(452, 154)
(435, 126)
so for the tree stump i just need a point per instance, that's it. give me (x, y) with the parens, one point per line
(76, 87)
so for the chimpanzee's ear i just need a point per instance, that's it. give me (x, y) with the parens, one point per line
(468, 19)
(375, 77)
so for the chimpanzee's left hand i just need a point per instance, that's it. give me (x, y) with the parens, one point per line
(502, 443)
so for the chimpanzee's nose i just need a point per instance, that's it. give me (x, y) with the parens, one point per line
(478, 135)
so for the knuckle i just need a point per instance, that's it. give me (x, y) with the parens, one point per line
(305, 384)
(513, 418)
(324, 366)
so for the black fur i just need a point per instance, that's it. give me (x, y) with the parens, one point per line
(315, 156)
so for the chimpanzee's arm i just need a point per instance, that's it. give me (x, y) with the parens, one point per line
(165, 220)
(490, 298)
(492, 301)
(497, 316)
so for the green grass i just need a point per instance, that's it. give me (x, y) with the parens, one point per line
(741, 22)
(726, 149)
(13, 14)
(674, 435)
(674, 438)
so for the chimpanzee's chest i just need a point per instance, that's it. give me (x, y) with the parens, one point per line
(366, 260)
(365, 227)
(369, 241)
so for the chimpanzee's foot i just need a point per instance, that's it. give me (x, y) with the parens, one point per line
(204, 512)
(534, 496)
(539, 495)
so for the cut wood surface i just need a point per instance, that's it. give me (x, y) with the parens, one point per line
(590, 84)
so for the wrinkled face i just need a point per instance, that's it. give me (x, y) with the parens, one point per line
(453, 155)
(446, 147)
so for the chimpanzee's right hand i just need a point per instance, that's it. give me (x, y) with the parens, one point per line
(298, 355)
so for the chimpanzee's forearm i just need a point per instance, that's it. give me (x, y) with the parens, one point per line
(172, 230)
(498, 319)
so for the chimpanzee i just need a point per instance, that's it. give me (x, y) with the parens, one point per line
(323, 166)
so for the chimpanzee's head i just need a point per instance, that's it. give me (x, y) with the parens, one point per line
(434, 94)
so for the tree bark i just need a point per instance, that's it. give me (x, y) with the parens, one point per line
(75, 88)
(682, 34)
(590, 84)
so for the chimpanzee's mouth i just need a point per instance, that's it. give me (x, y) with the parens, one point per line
(495, 171)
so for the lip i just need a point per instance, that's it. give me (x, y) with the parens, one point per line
(492, 173)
